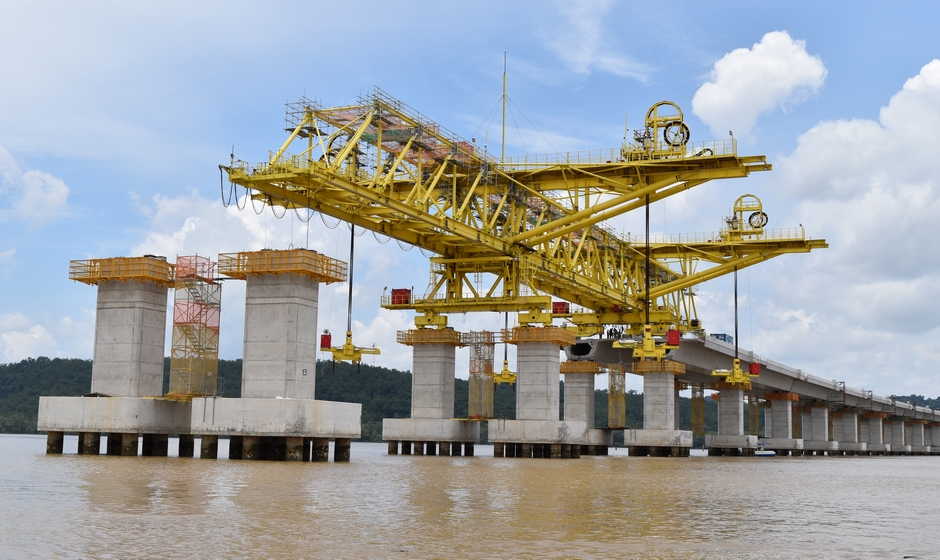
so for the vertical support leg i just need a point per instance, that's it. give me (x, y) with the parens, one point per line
(278, 449)
(576, 451)
(499, 449)
(90, 443)
(445, 448)
(294, 449)
(129, 443)
(432, 448)
(566, 451)
(468, 449)
(161, 445)
(146, 445)
(393, 447)
(419, 448)
(527, 450)
(187, 446)
(113, 444)
(321, 449)
(406, 448)
(455, 448)
(341, 450)
(556, 452)
(251, 448)
(236, 445)
(54, 442)
(308, 449)
(209, 447)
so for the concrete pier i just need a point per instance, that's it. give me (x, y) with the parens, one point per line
(154, 445)
(537, 424)
(659, 436)
(915, 435)
(731, 439)
(579, 398)
(130, 330)
(280, 348)
(845, 430)
(894, 434)
(872, 429)
(187, 445)
(432, 393)
(815, 426)
(781, 438)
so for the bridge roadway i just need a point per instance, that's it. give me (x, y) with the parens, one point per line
(806, 414)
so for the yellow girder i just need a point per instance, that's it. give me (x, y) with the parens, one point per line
(532, 226)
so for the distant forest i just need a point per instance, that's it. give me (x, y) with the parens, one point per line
(383, 393)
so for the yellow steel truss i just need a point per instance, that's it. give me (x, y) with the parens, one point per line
(532, 226)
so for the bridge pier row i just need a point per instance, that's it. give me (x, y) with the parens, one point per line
(894, 432)
(731, 439)
(780, 439)
(845, 431)
(432, 423)
(915, 434)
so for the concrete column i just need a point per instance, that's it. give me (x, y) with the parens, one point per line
(432, 381)
(445, 448)
(781, 413)
(537, 381)
(341, 450)
(676, 406)
(307, 455)
(54, 442)
(294, 449)
(806, 424)
(556, 452)
(187, 446)
(579, 398)
(873, 428)
(406, 448)
(280, 352)
(499, 449)
(236, 447)
(526, 450)
(321, 449)
(820, 418)
(130, 332)
(768, 422)
(849, 428)
(89, 443)
(914, 433)
(837, 427)
(209, 447)
(456, 447)
(251, 448)
(418, 448)
(659, 403)
(934, 434)
(731, 412)
(393, 447)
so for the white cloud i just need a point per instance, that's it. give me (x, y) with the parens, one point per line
(21, 340)
(865, 310)
(775, 73)
(584, 46)
(35, 198)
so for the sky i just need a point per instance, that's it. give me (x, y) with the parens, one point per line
(116, 115)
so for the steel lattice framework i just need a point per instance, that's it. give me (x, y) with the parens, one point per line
(512, 235)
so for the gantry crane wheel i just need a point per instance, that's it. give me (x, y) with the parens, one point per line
(757, 220)
(676, 133)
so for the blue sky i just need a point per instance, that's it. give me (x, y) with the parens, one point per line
(115, 116)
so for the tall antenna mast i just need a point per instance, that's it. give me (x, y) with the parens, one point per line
(502, 157)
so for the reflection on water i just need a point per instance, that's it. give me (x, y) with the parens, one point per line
(381, 506)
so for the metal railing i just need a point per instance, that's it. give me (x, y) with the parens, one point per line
(302, 262)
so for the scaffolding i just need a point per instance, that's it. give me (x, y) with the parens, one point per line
(616, 397)
(300, 262)
(194, 357)
(148, 268)
(482, 346)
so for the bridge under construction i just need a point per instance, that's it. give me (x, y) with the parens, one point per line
(525, 235)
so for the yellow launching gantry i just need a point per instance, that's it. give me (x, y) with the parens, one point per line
(509, 236)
